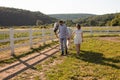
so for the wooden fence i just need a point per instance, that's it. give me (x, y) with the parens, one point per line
(28, 37)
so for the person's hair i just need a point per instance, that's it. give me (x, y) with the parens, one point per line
(60, 21)
(78, 26)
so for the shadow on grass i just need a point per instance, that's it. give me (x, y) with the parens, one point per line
(14, 58)
(29, 65)
(97, 58)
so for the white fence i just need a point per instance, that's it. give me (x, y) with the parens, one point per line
(106, 30)
(10, 39)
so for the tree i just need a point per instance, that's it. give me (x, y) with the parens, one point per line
(116, 21)
(69, 22)
(19, 17)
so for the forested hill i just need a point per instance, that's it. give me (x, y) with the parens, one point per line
(70, 16)
(90, 19)
(101, 20)
(12, 17)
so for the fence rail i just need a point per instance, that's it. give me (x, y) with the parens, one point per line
(105, 30)
(12, 38)
(27, 36)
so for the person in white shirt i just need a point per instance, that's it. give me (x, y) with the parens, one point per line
(78, 38)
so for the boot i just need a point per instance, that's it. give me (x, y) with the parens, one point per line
(66, 52)
(62, 53)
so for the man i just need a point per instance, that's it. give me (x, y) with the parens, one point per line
(63, 35)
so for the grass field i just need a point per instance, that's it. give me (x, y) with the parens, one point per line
(101, 28)
(98, 60)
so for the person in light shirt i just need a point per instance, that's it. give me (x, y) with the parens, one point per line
(63, 36)
(78, 38)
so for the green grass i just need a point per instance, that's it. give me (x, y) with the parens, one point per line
(100, 35)
(4, 36)
(98, 60)
(101, 28)
(36, 78)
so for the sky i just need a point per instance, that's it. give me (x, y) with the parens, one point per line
(98, 7)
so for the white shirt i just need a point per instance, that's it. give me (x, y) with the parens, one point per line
(78, 33)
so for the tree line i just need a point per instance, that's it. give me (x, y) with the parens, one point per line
(71, 16)
(90, 19)
(100, 20)
(20, 17)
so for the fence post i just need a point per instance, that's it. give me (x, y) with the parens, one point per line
(107, 30)
(12, 41)
(30, 36)
(51, 34)
(43, 35)
(91, 31)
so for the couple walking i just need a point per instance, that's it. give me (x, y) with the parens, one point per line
(64, 34)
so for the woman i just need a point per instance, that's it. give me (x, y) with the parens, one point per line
(78, 38)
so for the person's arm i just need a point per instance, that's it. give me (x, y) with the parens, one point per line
(82, 36)
(67, 33)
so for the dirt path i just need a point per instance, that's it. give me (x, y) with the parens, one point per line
(113, 39)
(23, 64)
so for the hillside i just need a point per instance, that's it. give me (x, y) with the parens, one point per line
(101, 20)
(12, 17)
(70, 16)
(90, 19)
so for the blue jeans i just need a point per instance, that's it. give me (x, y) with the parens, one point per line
(63, 42)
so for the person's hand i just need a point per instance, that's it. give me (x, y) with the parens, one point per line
(68, 38)
(57, 36)
(82, 40)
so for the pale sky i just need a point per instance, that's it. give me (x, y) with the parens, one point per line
(65, 6)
